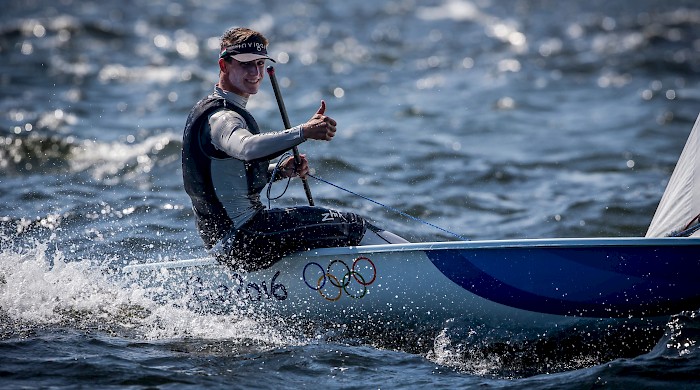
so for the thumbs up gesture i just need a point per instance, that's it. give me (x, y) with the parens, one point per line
(320, 126)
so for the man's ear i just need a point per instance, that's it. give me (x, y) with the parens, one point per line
(222, 65)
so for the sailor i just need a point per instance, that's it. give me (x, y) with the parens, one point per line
(227, 161)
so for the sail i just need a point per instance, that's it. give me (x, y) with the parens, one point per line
(680, 203)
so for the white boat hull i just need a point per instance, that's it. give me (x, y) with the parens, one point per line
(511, 285)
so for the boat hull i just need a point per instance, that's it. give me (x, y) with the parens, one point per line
(533, 284)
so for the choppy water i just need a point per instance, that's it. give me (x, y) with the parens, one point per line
(492, 119)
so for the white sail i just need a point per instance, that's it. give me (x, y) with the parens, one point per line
(680, 203)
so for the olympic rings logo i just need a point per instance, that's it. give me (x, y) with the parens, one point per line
(350, 274)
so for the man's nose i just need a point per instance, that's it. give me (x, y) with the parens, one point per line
(255, 70)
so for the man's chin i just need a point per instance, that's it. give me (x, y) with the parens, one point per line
(253, 89)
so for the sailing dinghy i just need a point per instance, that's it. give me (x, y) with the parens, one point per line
(510, 284)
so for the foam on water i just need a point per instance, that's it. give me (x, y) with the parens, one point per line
(447, 354)
(38, 289)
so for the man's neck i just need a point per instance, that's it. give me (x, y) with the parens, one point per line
(232, 97)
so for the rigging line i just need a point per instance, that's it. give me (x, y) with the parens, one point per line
(272, 179)
(390, 208)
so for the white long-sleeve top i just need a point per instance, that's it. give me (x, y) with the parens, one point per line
(229, 133)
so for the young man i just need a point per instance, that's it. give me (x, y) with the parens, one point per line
(226, 164)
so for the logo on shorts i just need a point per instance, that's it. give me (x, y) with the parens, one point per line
(331, 215)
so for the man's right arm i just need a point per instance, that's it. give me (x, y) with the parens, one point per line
(230, 135)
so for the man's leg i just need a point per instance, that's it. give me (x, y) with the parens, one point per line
(272, 234)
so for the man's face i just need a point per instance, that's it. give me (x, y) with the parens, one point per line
(242, 78)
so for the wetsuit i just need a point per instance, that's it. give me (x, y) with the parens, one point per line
(225, 166)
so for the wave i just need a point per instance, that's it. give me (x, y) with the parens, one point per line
(39, 290)
(36, 153)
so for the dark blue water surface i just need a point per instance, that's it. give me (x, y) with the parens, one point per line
(492, 119)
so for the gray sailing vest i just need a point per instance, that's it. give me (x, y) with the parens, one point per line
(197, 153)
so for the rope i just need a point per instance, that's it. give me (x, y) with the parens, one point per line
(390, 208)
(272, 178)
(689, 229)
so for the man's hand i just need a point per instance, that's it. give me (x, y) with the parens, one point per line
(320, 126)
(290, 169)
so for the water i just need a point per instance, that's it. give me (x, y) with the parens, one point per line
(492, 119)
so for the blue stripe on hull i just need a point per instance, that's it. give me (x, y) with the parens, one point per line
(609, 282)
